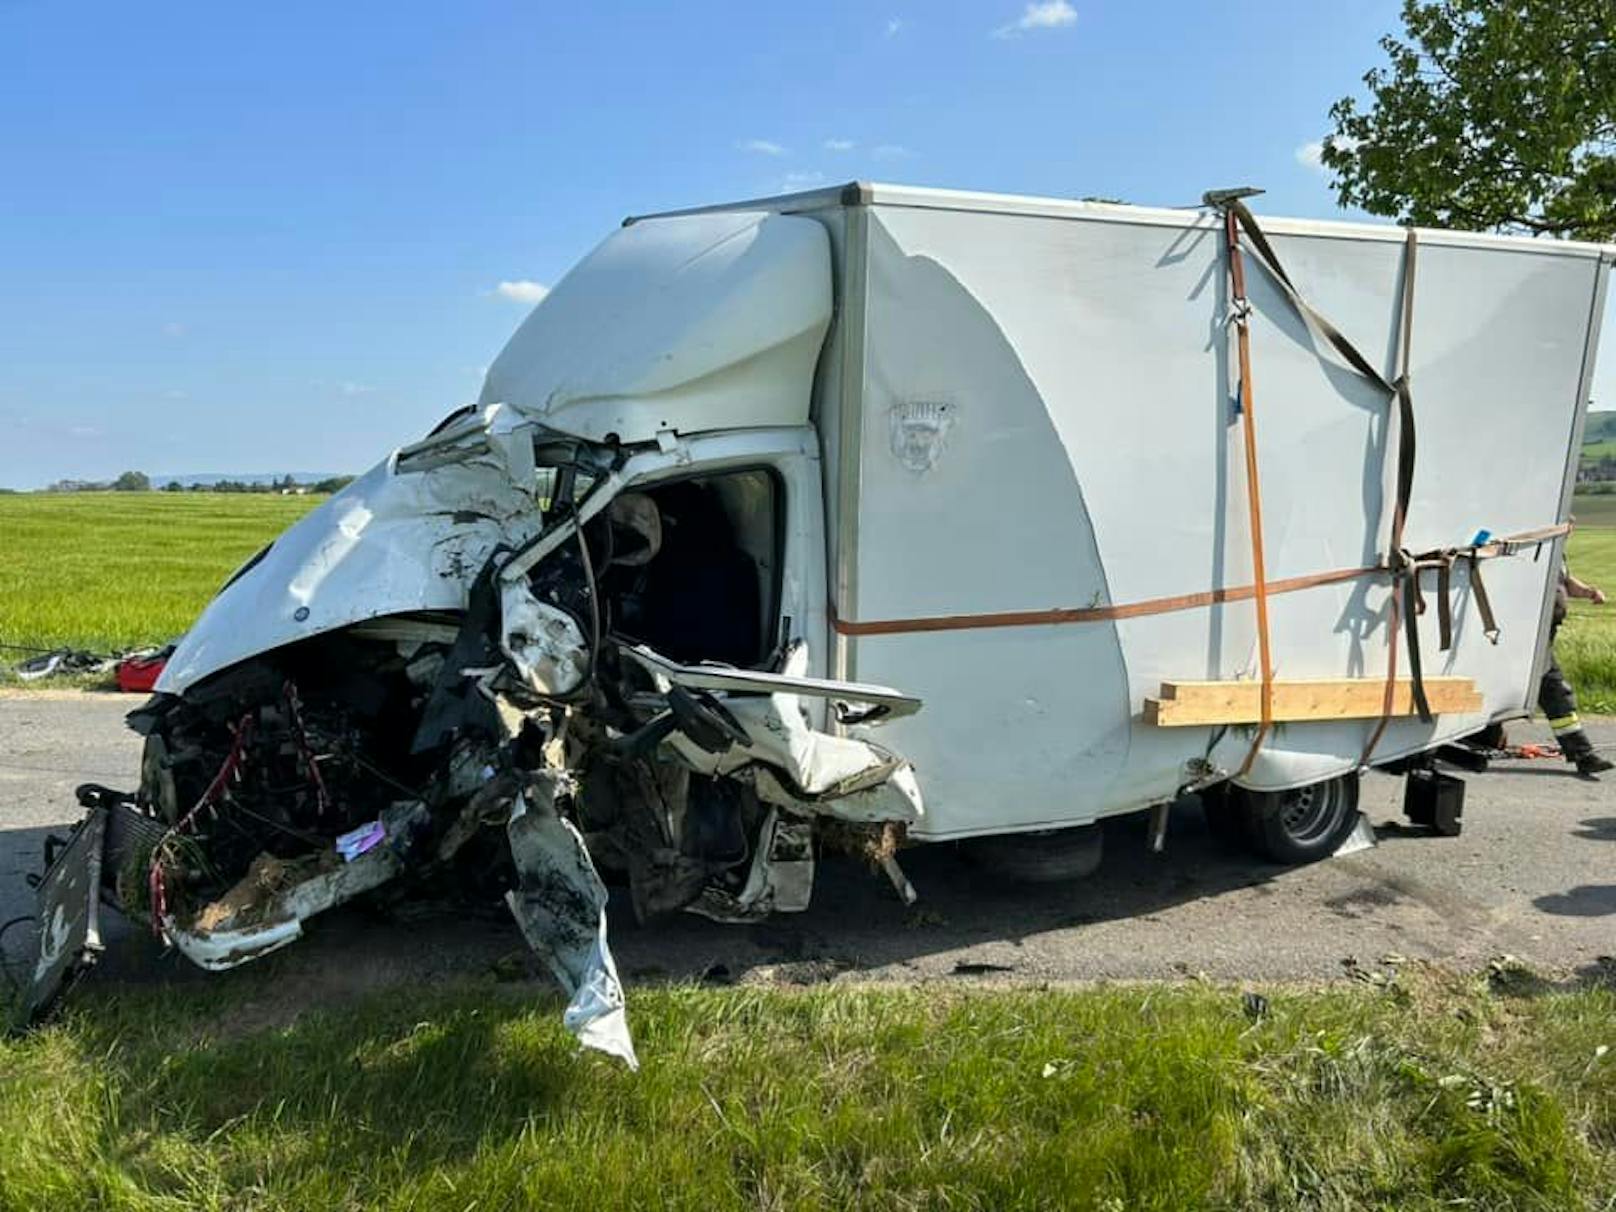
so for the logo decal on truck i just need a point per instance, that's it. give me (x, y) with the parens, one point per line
(919, 432)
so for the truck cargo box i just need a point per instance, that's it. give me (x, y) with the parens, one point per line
(1033, 448)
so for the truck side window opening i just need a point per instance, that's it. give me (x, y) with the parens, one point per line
(709, 590)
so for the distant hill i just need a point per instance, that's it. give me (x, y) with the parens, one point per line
(1601, 427)
(264, 477)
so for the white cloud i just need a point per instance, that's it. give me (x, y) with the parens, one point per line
(1041, 14)
(522, 290)
(801, 180)
(175, 394)
(890, 151)
(762, 147)
(839, 145)
(86, 431)
(173, 329)
(357, 389)
(894, 26)
(1311, 155)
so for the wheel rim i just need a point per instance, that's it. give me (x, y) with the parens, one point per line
(1308, 814)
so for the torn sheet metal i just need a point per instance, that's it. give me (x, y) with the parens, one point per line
(799, 767)
(793, 679)
(779, 880)
(248, 926)
(543, 641)
(560, 904)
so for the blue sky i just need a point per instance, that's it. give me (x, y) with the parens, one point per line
(257, 238)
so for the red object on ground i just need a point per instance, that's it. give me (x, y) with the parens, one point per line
(138, 675)
(1534, 751)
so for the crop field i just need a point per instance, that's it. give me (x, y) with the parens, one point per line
(112, 570)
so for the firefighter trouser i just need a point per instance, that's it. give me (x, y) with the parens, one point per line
(1558, 701)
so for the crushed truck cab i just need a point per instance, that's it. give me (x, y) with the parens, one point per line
(753, 483)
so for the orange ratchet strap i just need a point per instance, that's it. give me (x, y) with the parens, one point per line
(1240, 313)
(1151, 606)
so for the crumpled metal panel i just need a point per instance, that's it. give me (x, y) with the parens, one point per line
(409, 535)
(279, 921)
(543, 642)
(560, 904)
(803, 769)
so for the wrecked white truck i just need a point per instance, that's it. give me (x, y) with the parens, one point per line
(1128, 497)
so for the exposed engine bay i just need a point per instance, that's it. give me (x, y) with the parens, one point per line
(598, 677)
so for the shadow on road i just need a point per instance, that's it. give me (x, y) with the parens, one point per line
(856, 921)
(1599, 829)
(1585, 900)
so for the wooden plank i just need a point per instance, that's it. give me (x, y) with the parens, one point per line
(1186, 704)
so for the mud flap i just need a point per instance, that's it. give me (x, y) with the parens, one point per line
(560, 904)
(69, 918)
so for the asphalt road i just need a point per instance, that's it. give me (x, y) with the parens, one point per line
(1533, 876)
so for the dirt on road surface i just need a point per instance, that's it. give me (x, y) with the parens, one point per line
(1533, 875)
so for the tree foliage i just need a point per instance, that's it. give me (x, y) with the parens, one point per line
(1490, 114)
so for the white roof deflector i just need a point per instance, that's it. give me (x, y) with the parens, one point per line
(686, 324)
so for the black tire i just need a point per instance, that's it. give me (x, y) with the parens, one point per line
(1302, 825)
(1047, 856)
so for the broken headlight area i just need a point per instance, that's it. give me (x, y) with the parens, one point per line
(513, 750)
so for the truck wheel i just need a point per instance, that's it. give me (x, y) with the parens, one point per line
(1302, 825)
(1046, 856)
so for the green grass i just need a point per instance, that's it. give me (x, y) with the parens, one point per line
(1587, 643)
(1594, 509)
(107, 571)
(1432, 1092)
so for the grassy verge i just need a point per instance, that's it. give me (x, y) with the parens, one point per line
(1431, 1091)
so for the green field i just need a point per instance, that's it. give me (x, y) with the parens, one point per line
(114, 570)
(1428, 1092)
(1587, 644)
(1594, 510)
